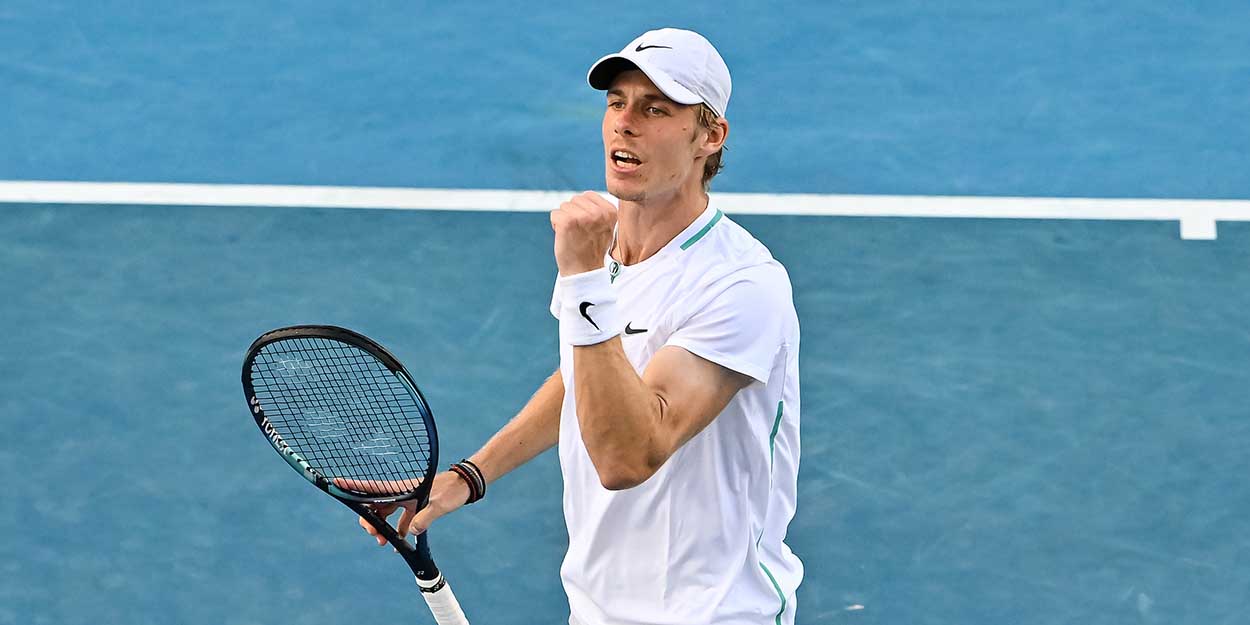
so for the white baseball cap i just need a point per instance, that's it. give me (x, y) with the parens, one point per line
(681, 63)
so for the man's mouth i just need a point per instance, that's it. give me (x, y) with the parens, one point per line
(625, 158)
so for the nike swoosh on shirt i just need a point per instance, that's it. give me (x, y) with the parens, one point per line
(583, 308)
(629, 330)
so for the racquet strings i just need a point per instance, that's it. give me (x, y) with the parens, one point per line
(344, 412)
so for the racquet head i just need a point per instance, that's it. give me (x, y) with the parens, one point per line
(343, 412)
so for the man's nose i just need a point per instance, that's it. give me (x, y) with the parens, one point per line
(624, 125)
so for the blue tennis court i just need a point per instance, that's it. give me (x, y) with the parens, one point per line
(1005, 421)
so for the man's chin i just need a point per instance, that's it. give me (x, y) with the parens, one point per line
(625, 193)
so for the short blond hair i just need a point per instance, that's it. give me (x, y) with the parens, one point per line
(707, 120)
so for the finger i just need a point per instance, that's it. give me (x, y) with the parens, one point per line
(372, 531)
(405, 520)
(569, 213)
(583, 205)
(590, 198)
(360, 486)
(378, 487)
(597, 214)
(422, 520)
(598, 202)
(383, 511)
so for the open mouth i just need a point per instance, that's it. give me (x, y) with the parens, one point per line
(625, 159)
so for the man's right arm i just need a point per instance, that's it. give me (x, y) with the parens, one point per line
(532, 431)
(535, 429)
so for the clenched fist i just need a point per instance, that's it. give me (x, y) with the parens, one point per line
(583, 227)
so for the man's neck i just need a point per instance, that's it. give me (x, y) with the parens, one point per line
(644, 228)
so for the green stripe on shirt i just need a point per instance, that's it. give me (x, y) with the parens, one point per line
(772, 438)
(780, 595)
(699, 235)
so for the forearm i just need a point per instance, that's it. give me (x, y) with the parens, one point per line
(619, 415)
(535, 429)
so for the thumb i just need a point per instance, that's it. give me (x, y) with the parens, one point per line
(421, 521)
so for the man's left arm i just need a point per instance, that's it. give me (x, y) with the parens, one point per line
(631, 425)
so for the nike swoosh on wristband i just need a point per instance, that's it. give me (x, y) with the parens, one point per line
(629, 330)
(641, 47)
(583, 308)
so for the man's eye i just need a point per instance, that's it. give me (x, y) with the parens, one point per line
(655, 110)
(616, 105)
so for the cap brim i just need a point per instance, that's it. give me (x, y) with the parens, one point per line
(605, 70)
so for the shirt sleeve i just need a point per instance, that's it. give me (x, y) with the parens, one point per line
(741, 322)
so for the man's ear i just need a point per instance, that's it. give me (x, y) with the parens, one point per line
(715, 138)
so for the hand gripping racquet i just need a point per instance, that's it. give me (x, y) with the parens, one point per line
(343, 412)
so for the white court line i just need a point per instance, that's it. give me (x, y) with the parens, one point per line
(1197, 217)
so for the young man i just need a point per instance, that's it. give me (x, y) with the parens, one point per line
(676, 407)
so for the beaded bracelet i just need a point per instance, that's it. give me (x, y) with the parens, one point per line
(472, 476)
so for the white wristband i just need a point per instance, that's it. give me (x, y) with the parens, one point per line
(588, 312)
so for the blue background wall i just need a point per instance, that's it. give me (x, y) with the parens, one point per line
(1135, 99)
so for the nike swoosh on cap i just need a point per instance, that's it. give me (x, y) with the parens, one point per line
(641, 47)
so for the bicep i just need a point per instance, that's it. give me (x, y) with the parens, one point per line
(690, 392)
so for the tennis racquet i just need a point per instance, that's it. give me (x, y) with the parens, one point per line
(343, 412)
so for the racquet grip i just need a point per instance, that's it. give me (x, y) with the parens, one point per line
(442, 602)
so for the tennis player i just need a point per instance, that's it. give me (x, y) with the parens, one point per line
(676, 406)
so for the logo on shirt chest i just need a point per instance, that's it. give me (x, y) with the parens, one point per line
(629, 329)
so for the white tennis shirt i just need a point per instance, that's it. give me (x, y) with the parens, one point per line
(702, 540)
